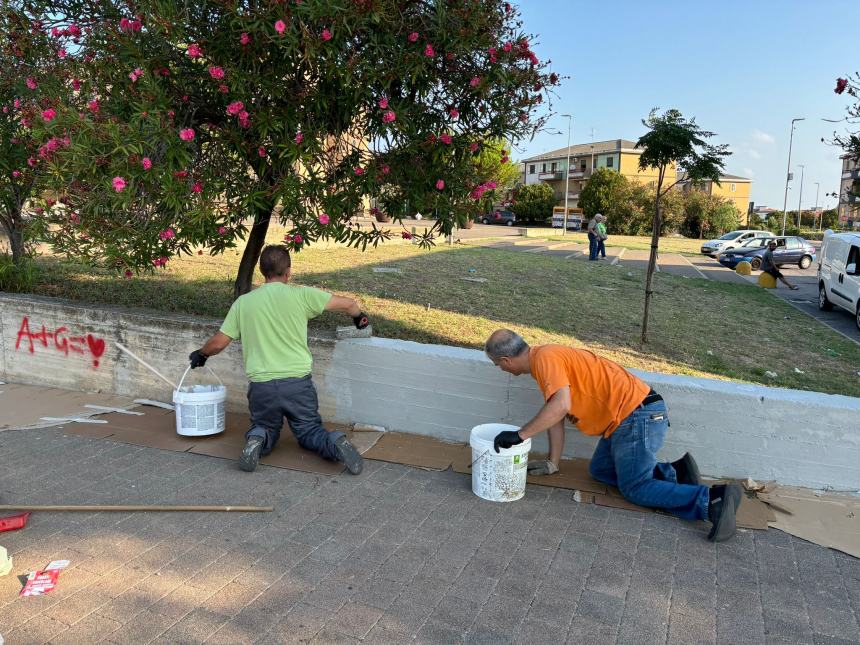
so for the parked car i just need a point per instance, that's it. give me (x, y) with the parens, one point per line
(789, 250)
(732, 257)
(730, 241)
(839, 273)
(505, 218)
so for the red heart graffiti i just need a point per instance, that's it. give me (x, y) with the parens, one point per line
(97, 345)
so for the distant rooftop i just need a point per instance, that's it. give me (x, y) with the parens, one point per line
(584, 149)
(724, 177)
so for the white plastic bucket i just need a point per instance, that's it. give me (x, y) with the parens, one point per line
(199, 408)
(498, 477)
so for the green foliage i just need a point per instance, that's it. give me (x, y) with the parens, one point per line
(534, 203)
(601, 191)
(707, 215)
(850, 140)
(306, 110)
(18, 277)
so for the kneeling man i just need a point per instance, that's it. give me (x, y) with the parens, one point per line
(603, 399)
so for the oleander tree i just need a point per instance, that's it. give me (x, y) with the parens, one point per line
(849, 139)
(31, 69)
(204, 121)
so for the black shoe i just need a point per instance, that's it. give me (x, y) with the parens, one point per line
(687, 470)
(723, 505)
(349, 455)
(250, 458)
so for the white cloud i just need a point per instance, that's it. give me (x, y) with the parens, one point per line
(762, 137)
(755, 154)
(748, 172)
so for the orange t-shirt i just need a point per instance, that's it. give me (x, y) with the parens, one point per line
(602, 393)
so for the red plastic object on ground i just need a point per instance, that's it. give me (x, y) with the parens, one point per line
(13, 522)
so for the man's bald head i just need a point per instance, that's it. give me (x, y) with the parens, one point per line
(504, 343)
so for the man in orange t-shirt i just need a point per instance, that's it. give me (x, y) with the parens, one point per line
(603, 399)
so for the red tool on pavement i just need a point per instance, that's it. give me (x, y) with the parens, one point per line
(13, 522)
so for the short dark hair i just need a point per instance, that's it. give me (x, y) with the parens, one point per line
(275, 261)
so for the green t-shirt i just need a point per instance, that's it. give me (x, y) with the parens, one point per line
(272, 323)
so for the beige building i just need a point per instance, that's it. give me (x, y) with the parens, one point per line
(620, 155)
(849, 192)
(734, 188)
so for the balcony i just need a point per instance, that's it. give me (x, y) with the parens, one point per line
(851, 174)
(549, 176)
(577, 173)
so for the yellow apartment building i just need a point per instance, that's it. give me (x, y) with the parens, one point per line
(734, 188)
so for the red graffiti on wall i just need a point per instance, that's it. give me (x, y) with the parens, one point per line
(61, 341)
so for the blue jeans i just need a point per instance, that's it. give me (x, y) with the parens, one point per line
(628, 460)
(592, 246)
(601, 249)
(295, 399)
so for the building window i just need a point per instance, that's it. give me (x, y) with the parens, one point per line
(582, 166)
(552, 167)
(733, 187)
(609, 161)
(532, 169)
(543, 167)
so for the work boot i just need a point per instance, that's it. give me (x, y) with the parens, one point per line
(722, 507)
(542, 467)
(349, 455)
(687, 471)
(250, 458)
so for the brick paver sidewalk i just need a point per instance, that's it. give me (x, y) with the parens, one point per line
(395, 555)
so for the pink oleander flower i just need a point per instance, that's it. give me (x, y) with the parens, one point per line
(185, 98)
(94, 106)
(476, 80)
(288, 238)
(31, 83)
(440, 184)
(454, 113)
(16, 103)
(446, 139)
(167, 234)
(429, 51)
(389, 116)
(324, 219)
(16, 173)
(299, 138)
(197, 187)
(245, 39)
(62, 53)
(235, 107)
(25, 122)
(76, 84)
(326, 35)
(413, 37)
(508, 46)
(49, 115)
(223, 89)
(261, 151)
(358, 170)
(146, 162)
(474, 147)
(383, 103)
(74, 30)
(32, 161)
(280, 26)
(841, 84)
(119, 184)
(406, 235)
(222, 230)
(297, 238)
(186, 134)
(128, 274)
(194, 50)
(216, 72)
(386, 170)
(244, 119)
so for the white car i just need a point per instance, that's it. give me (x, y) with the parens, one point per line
(731, 241)
(839, 273)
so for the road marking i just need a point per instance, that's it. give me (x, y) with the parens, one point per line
(694, 266)
(618, 257)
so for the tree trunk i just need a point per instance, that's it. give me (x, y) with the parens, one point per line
(16, 243)
(652, 260)
(256, 241)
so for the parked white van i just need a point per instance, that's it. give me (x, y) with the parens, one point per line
(839, 273)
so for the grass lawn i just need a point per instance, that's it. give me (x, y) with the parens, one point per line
(682, 245)
(699, 327)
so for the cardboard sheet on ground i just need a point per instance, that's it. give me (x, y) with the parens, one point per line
(416, 450)
(831, 520)
(156, 428)
(23, 406)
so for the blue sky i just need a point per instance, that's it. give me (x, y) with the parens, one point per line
(742, 69)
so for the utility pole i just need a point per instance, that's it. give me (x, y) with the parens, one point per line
(800, 195)
(592, 151)
(821, 216)
(788, 173)
(567, 173)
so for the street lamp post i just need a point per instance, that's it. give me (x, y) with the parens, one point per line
(788, 173)
(800, 196)
(817, 186)
(567, 173)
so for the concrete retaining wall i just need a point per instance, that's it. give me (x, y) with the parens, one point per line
(734, 430)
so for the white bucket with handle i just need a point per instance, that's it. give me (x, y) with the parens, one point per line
(498, 477)
(199, 408)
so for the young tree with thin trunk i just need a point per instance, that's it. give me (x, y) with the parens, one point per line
(673, 140)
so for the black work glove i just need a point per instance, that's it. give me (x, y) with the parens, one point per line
(361, 320)
(507, 439)
(197, 358)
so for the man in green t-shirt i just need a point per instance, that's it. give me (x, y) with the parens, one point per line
(272, 324)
